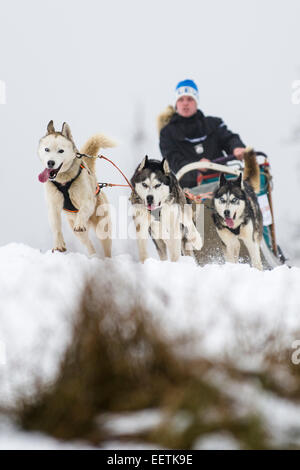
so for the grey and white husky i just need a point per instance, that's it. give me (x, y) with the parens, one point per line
(236, 212)
(71, 184)
(160, 209)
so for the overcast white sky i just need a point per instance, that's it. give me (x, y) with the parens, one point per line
(95, 63)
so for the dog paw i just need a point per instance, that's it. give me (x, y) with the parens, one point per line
(79, 228)
(61, 249)
(195, 241)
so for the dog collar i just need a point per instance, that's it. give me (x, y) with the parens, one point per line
(236, 231)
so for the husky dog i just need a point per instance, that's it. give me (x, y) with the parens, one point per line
(160, 208)
(71, 184)
(236, 213)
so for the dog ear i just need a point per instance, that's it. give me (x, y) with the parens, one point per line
(143, 164)
(222, 180)
(165, 166)
(66, 131)
(50, 127)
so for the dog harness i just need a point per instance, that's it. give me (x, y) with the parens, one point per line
(236, 231)
(64, 189)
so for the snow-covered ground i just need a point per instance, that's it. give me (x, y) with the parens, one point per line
(226, 309)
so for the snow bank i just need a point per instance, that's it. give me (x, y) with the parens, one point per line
(227, 309)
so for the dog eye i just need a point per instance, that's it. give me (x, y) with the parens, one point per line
(234, 200)
(144, 185)
(222, 200)
(157, 185)
(61, 151)
(47, 150)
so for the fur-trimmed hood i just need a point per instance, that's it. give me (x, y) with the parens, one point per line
(164, 118)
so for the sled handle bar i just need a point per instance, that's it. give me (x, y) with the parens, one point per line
(217, 165)
(229, 158)
(207, 165)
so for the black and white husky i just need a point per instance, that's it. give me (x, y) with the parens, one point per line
(236, 212)
(160, 209)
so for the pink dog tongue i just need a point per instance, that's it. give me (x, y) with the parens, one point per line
(43, 177)
(229, 222)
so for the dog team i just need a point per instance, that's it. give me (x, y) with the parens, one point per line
(160, 205)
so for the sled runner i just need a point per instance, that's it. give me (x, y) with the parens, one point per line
(212, 250)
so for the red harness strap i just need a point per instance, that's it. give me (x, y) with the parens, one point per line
(98, 189)
(105, 158)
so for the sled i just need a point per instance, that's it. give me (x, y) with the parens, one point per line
(200, 197)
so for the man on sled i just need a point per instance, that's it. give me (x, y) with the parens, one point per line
(187, 135)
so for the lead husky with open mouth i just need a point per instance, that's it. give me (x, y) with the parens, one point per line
(237, 215)
(160, 209)
(71, 184)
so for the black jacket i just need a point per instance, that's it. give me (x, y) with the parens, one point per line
(186, 140)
